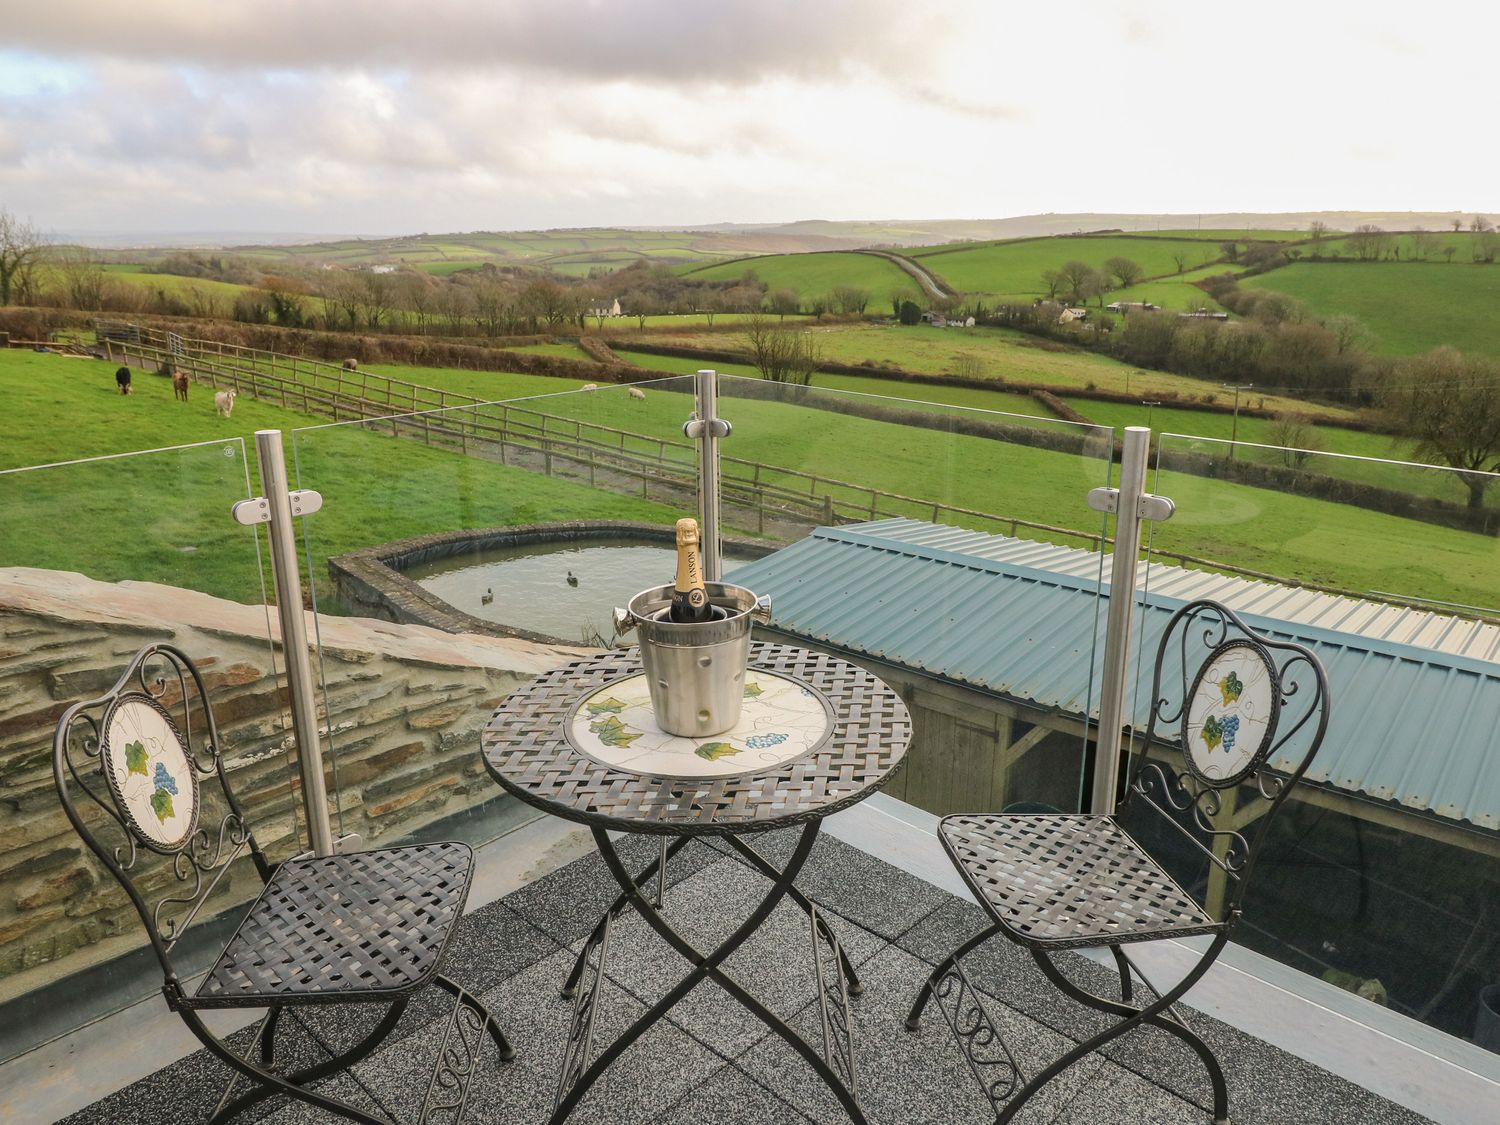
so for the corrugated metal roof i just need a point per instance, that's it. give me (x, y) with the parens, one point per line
(1416, 695)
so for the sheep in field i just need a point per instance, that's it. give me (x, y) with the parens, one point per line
(351, 365)
(224, 403)
(122, 380)
(636, 392)
(589, 387)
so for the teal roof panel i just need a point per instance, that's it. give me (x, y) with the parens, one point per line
(1412, 724)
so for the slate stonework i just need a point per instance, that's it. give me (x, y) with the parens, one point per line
(406, 704)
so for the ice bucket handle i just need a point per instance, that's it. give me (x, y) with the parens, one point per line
(761, 611)
(624, 621)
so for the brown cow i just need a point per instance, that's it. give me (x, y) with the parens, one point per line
(180, 385)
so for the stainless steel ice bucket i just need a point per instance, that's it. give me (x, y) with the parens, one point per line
(696, 672)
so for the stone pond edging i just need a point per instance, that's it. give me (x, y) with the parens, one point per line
(371, 583)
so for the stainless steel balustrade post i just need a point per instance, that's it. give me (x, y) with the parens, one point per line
(707, 428)
(1131, 504)
(277, 508)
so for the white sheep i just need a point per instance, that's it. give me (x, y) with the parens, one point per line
(589, 387)
(224, 403)
(636, 392)
(351, 365)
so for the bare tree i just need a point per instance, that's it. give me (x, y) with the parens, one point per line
(415, 293)
(1458, 224)
(781, 354)
(1125, 271)
(1077, 280)
(849, 299)
(379, 296)
(1479, 224)
(20, 247)
(1450, 404)
(1422, 242)
(784, 301)
(81, 278)
(1052, 281)
(1317, 230)
(1368, 242)
(1180, 259)
(1296, 436)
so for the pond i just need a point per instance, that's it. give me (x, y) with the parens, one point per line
(528, 588)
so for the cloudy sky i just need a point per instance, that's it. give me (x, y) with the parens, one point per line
(398, 116)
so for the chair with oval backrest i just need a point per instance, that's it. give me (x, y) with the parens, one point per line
(1235, 721)
(141, 774)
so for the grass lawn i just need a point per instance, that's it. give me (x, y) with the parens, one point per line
(1014, 269)
(919, 394)
(138, 517)
(1408, 307)
(814, 275)
(1174, 294)
(174, 283)
(1385, 470)
(1001, 353)
(164, 516)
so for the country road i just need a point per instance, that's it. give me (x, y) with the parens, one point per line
(909, 266)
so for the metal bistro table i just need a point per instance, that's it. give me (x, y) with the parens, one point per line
(817, 735)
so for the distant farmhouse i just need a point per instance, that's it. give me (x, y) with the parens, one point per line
(604, 308)
(1123, 307)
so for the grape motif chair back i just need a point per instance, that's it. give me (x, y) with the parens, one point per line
(1236, 718)
(141, 777)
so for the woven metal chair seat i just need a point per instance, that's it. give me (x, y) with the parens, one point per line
(1069, 880)
(332, 928)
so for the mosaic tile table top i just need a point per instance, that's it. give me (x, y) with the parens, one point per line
(781, 719)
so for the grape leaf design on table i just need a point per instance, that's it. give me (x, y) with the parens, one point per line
(612, 732)
(135, 758)
(606, 706)
(713, 751)
(752, 690)
(1231, 688)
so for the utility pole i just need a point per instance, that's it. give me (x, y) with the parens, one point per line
(1234, 429)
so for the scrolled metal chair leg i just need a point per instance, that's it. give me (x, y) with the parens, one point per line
(447, 984)
(914, 1018)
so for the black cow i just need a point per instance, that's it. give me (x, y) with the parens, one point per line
(122, 380)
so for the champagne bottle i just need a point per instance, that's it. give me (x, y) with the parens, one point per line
(689, 599)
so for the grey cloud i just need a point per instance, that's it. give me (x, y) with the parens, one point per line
(730, 41)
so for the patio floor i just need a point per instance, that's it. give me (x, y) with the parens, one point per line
(711, 1061)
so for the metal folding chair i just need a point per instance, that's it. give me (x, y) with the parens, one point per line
(141, 775)
(1235, 721)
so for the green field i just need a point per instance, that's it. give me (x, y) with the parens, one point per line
(1001, 353)
(1013, 270)
(1175, 294)
(917, 394)
(1408, 307)
(815, 275)
(164, 516)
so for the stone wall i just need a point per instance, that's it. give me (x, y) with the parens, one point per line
(406, 703)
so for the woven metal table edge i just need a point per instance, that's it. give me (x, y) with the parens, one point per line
(762, 652)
